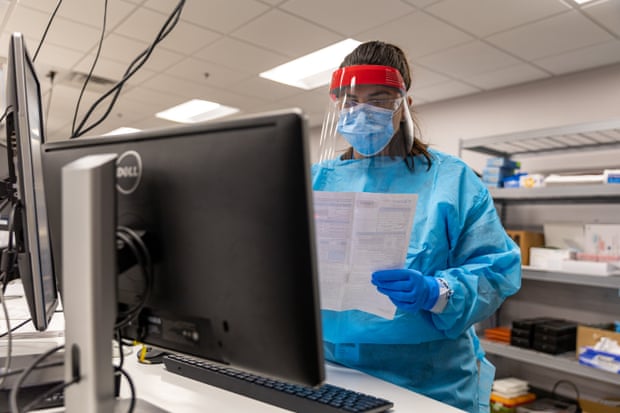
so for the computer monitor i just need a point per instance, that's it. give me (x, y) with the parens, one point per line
(226, 212)
(25, 135)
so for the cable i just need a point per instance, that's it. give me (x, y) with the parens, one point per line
(49, 23)
(50, 391)
(120, 348)
(9, 350)
(131, 70)
(4, 202)
(132, 404)
(92, 67)
(6, 112)
(143, 258)
(140, 251)
(17, 327)
(22, 377)
(5, 278)
(9, 255)
(557, 383)
(52, 76)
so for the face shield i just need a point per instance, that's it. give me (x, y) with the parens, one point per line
(368, 115)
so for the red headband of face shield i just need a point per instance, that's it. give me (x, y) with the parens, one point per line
(351, 76)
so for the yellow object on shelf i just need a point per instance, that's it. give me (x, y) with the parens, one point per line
(513, 401)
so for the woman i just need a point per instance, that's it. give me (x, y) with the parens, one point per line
(460, 264)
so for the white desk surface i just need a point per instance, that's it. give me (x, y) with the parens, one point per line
(178, 394)
(182, 395)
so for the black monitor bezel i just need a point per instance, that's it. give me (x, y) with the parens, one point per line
(280, 126)
(32, 237)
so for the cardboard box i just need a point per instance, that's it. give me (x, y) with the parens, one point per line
(600, 406)
(525, 240)
(589, 336)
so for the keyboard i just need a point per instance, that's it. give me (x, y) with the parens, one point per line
(324, 399)
(28, 394)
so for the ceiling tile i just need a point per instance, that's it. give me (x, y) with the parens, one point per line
(468, 59)
(121, 48)
(581, 59)
(223, 16)
(172, 85)
(405, 31)
(152, 97)
(206, 73)
(423, 77)
(110, 69)
(188, 38)
(71, 35)
(27, 21)
(244, 56)
(63, 105)
(445, 90)
(162, 59)
(512, 75)
(551, 36)
(191, 90)
(264, 89)
(143, 24)
(273, 32)
(484, 17)
(421, 3)
(311, 102)
(57, 57)
(4, 9)
(328, 13)
(84, 13)
(124, 49)
(185, 37)
(606, 13)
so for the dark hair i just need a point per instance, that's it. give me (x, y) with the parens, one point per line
(380, 53)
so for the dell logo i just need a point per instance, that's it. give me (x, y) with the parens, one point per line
(128, 172)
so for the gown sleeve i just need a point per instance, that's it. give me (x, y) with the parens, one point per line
(484, 262)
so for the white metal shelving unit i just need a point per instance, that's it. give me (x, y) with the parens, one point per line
(565, 363)
(555, 141)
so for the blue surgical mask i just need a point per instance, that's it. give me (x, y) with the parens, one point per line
(367, 128)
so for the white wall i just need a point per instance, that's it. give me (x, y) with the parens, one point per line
(571, 99)
(587, 96)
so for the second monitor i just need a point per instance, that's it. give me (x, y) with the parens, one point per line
(226, 212)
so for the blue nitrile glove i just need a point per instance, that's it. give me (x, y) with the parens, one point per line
(408, 289)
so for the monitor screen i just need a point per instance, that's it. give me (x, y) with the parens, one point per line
(225, 210)
(26, 187)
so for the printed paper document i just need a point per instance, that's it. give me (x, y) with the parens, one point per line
(358, 233)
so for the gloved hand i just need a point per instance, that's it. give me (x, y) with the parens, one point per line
(408, 289)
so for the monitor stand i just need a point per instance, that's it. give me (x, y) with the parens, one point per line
(89, 285)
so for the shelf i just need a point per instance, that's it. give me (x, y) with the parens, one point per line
(586, 193)
(573, 138)
(565, 363)
(530, 273)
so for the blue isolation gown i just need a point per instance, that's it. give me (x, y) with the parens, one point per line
(457, 236)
